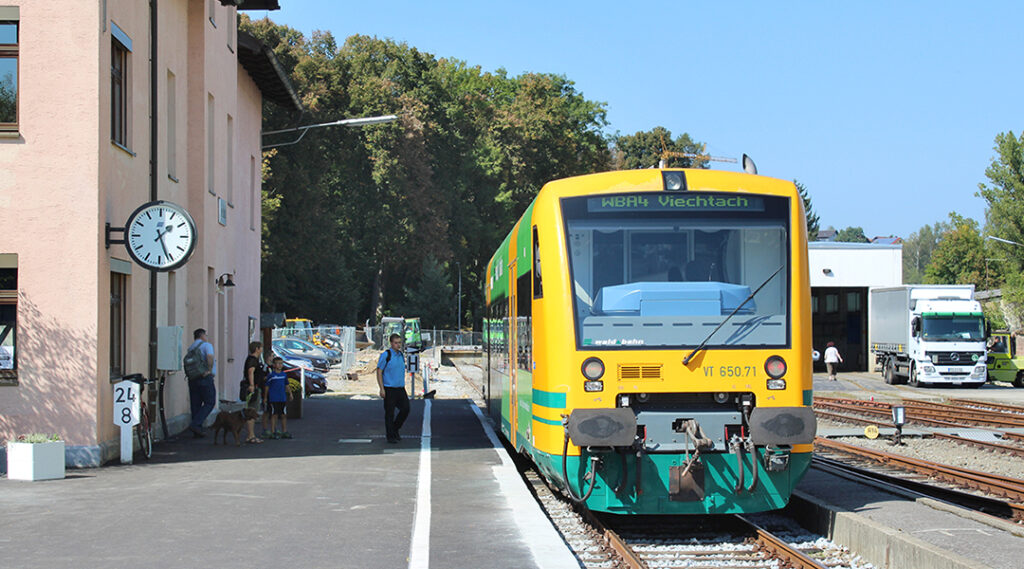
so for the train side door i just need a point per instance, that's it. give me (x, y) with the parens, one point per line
(512, 347)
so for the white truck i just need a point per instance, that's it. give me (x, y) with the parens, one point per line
(925, 334)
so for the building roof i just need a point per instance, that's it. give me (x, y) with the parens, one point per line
(846, 245)
(252, 4)
(259, 61)
(887, 240)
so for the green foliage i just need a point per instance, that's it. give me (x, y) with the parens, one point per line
(645, 149)
(352, 213)
(813, 222)
(918, 248)
(432, 299)
(1004, 196)
(36, 438)
(994, 315)
(851, 235)
(959, 257)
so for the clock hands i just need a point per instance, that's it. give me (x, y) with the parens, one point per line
(160, 237)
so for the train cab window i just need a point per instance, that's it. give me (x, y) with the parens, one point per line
(538, 290)
(653, 271)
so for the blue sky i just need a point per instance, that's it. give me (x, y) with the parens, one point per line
(886, 111)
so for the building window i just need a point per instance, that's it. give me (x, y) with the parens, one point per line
(231, 31)
(120, 48)
(8, 69)
(8, 318)
(852, 301)
(172, 127)
(118, 305)
(209, 144)
(213, 12)
(831, 303)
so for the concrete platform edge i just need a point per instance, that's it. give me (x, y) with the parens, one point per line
(546, 545)
(880, 545)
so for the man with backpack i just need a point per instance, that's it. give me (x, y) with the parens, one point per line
(200, 369)
(391, 381)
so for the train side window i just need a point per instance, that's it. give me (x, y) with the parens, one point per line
(538, 290)
(524, 299)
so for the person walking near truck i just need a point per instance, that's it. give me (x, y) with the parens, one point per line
(832, 359)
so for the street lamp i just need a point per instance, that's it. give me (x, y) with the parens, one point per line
(1001, 240)
(362, 121)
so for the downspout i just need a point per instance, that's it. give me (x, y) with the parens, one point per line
(153, 28)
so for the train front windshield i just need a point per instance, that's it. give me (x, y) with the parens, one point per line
(661, 270)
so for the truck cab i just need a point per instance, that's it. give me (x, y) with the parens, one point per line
(1003, 365)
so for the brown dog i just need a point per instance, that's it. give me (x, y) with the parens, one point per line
(233, 422)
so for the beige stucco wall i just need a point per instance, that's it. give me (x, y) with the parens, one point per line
(48, 180)
(62, 179)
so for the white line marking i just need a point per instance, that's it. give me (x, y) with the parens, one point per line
(355, 440)
(419, 554)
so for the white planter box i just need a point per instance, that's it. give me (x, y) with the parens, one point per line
(35, 461)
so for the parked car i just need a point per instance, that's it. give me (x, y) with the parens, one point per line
(316, 382)
(303, 348)
(299, 360)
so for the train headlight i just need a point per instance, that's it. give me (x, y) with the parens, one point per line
(775, 367)
(776, 384)
(593, 368)
(674, 181)
(592, 386)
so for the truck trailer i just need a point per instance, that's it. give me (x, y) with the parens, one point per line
(928, 334)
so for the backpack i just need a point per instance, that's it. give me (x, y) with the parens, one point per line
(195, 363)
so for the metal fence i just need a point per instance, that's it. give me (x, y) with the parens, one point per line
(431, 338)
(336, 337)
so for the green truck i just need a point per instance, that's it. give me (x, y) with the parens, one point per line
(408, 328)
(1002, 364)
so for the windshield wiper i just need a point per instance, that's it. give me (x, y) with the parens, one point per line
(701, 346)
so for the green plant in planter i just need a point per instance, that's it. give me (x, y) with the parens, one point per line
(36, 438)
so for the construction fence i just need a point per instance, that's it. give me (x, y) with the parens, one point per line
(431, 338)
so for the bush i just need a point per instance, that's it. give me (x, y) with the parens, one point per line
(36, 438)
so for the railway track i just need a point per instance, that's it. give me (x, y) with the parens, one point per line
(927, 413)
(901, 484)
(603, 541)
(1012, 489)
(987, 445)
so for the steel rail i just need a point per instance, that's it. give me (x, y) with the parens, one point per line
(775, 547)
(625, 552)
(916, 415)
(1014, 409)
(1011, 488)
(987, 445)
(984, 504)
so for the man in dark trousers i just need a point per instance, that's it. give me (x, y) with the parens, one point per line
(391, 380)
(202, 391)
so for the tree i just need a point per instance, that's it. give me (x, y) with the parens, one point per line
(1004, 216)
(812, 218)
(432, 298)
(360, 209)
(918, 248)
(8, 99)
(644, 150)
(851, 235)
(959, 257)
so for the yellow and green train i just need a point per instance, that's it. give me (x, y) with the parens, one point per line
(648, 340)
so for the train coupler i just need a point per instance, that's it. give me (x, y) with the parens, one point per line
(776, 458)
(686, 482)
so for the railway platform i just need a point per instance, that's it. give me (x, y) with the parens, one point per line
(336, 495)
(891, 530)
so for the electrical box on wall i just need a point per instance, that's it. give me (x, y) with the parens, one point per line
(168, 348)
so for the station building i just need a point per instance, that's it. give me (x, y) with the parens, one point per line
(105, 106)
(841, 274)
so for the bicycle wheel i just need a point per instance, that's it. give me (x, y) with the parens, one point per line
(145, 433)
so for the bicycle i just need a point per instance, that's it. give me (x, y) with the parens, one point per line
(144, 430)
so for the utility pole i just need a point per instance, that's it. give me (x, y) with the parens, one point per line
(459, 326)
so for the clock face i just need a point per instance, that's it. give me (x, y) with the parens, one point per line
(160, 236)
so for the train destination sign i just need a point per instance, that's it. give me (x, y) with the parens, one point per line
(675, 202)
